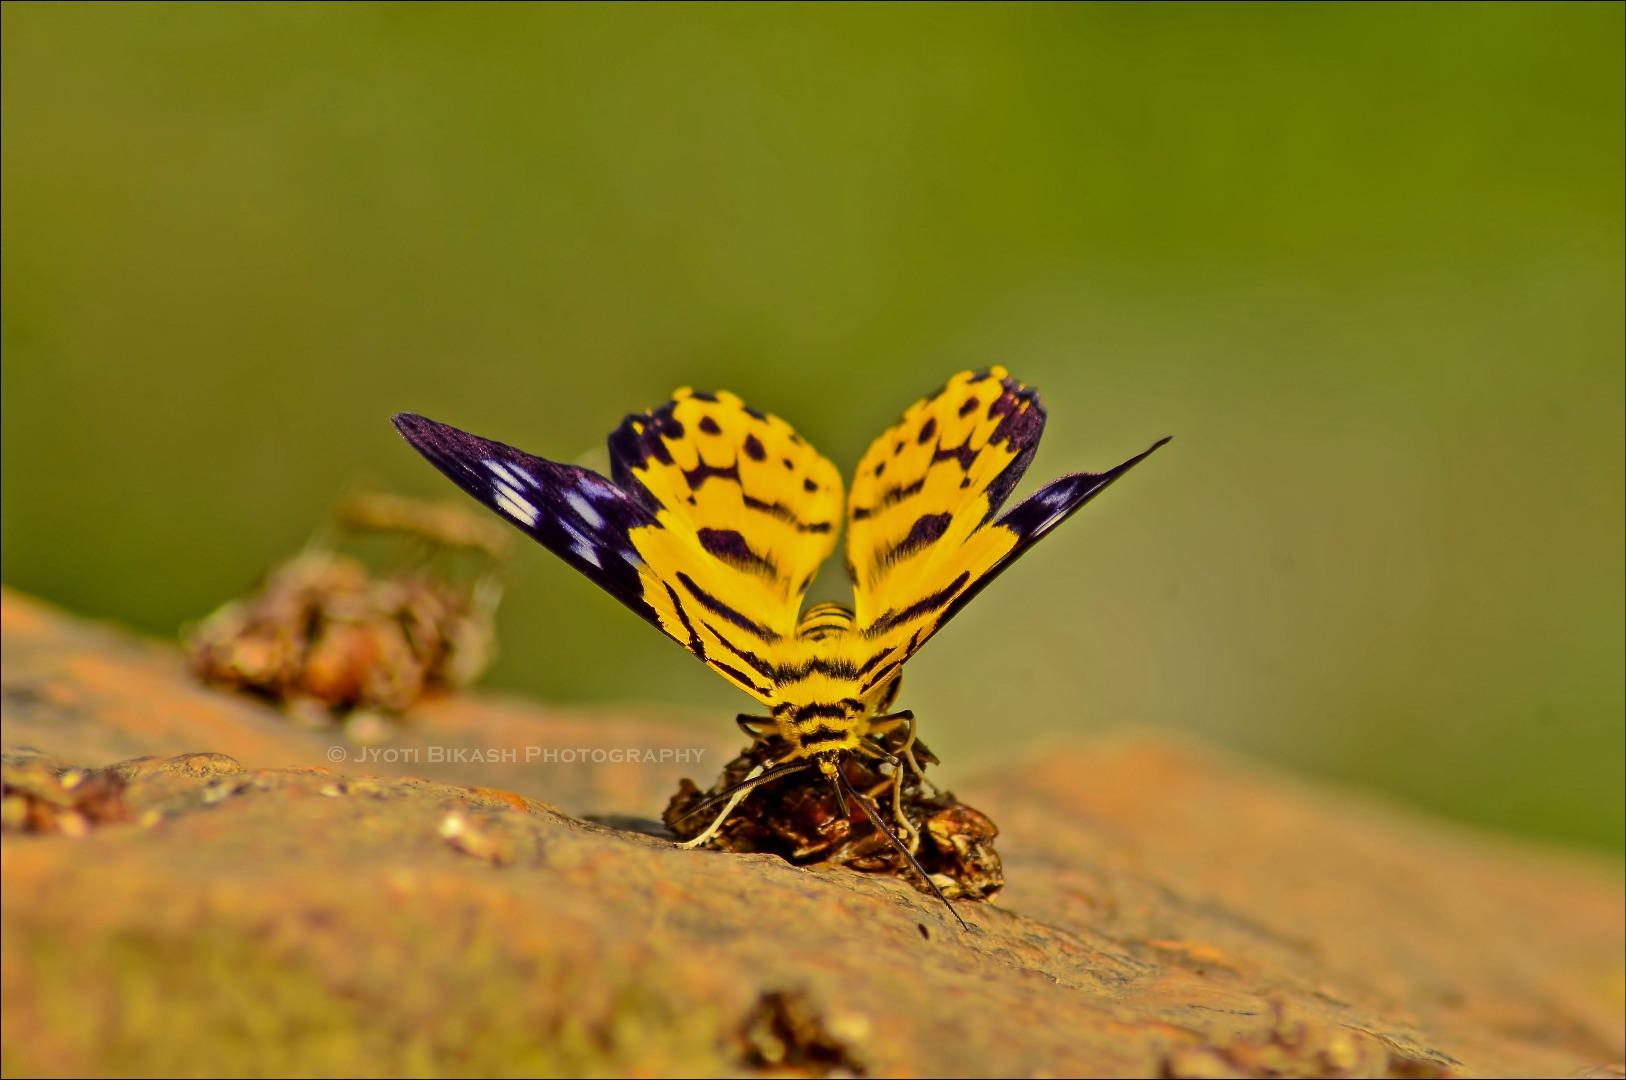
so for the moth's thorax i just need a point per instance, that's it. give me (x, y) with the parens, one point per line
(822, 727)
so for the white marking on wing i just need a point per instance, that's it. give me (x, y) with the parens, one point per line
(587, 553)
(581, 545)
(514, 504)
(579, 542)
(500, 470)
(593, 518)
(1059, 496)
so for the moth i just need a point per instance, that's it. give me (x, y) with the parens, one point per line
(716, 517)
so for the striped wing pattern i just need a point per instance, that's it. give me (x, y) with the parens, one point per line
(743, 487)
(715, 521)
(922, 536)
(716, 517)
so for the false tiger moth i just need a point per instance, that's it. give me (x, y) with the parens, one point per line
(715, 518)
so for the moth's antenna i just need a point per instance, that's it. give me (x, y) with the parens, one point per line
(746, 786)
(886, 830)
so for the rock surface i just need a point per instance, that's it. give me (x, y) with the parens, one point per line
(269, 901)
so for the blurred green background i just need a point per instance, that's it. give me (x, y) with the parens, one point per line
(1364, 262)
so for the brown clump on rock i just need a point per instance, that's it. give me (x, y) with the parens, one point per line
(785, 1035)
(800, 820)
(327, 636)
(38, 798)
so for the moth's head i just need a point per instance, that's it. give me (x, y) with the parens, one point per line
(828, 763)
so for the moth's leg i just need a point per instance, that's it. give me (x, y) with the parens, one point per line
(876, 752)
(909, 756)
(758, 727)
(889, 695)
(872, 749)
(883, 724)
(745, 789)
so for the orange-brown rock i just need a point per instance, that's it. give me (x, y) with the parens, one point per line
(267, 900)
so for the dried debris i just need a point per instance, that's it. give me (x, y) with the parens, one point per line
(332, 640)
(464, 836)
(785, 1035)
(798, 818)
(1300, 1045)
(37, 798)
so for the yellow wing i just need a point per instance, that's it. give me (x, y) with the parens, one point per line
(922, 537)
(717, 520)
(748, 513)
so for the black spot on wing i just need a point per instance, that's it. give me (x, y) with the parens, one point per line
(927, 529)
(640, 439)
(753, 448)
(730, 546)
(697, 476)
(1020, 427)
(710, 426)
(632, 446)
(964, 454)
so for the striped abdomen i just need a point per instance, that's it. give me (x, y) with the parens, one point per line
(823, 711)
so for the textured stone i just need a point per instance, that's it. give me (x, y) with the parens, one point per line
(263, 905)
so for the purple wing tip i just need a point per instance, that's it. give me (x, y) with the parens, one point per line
(420, 431)
(1119, 470)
